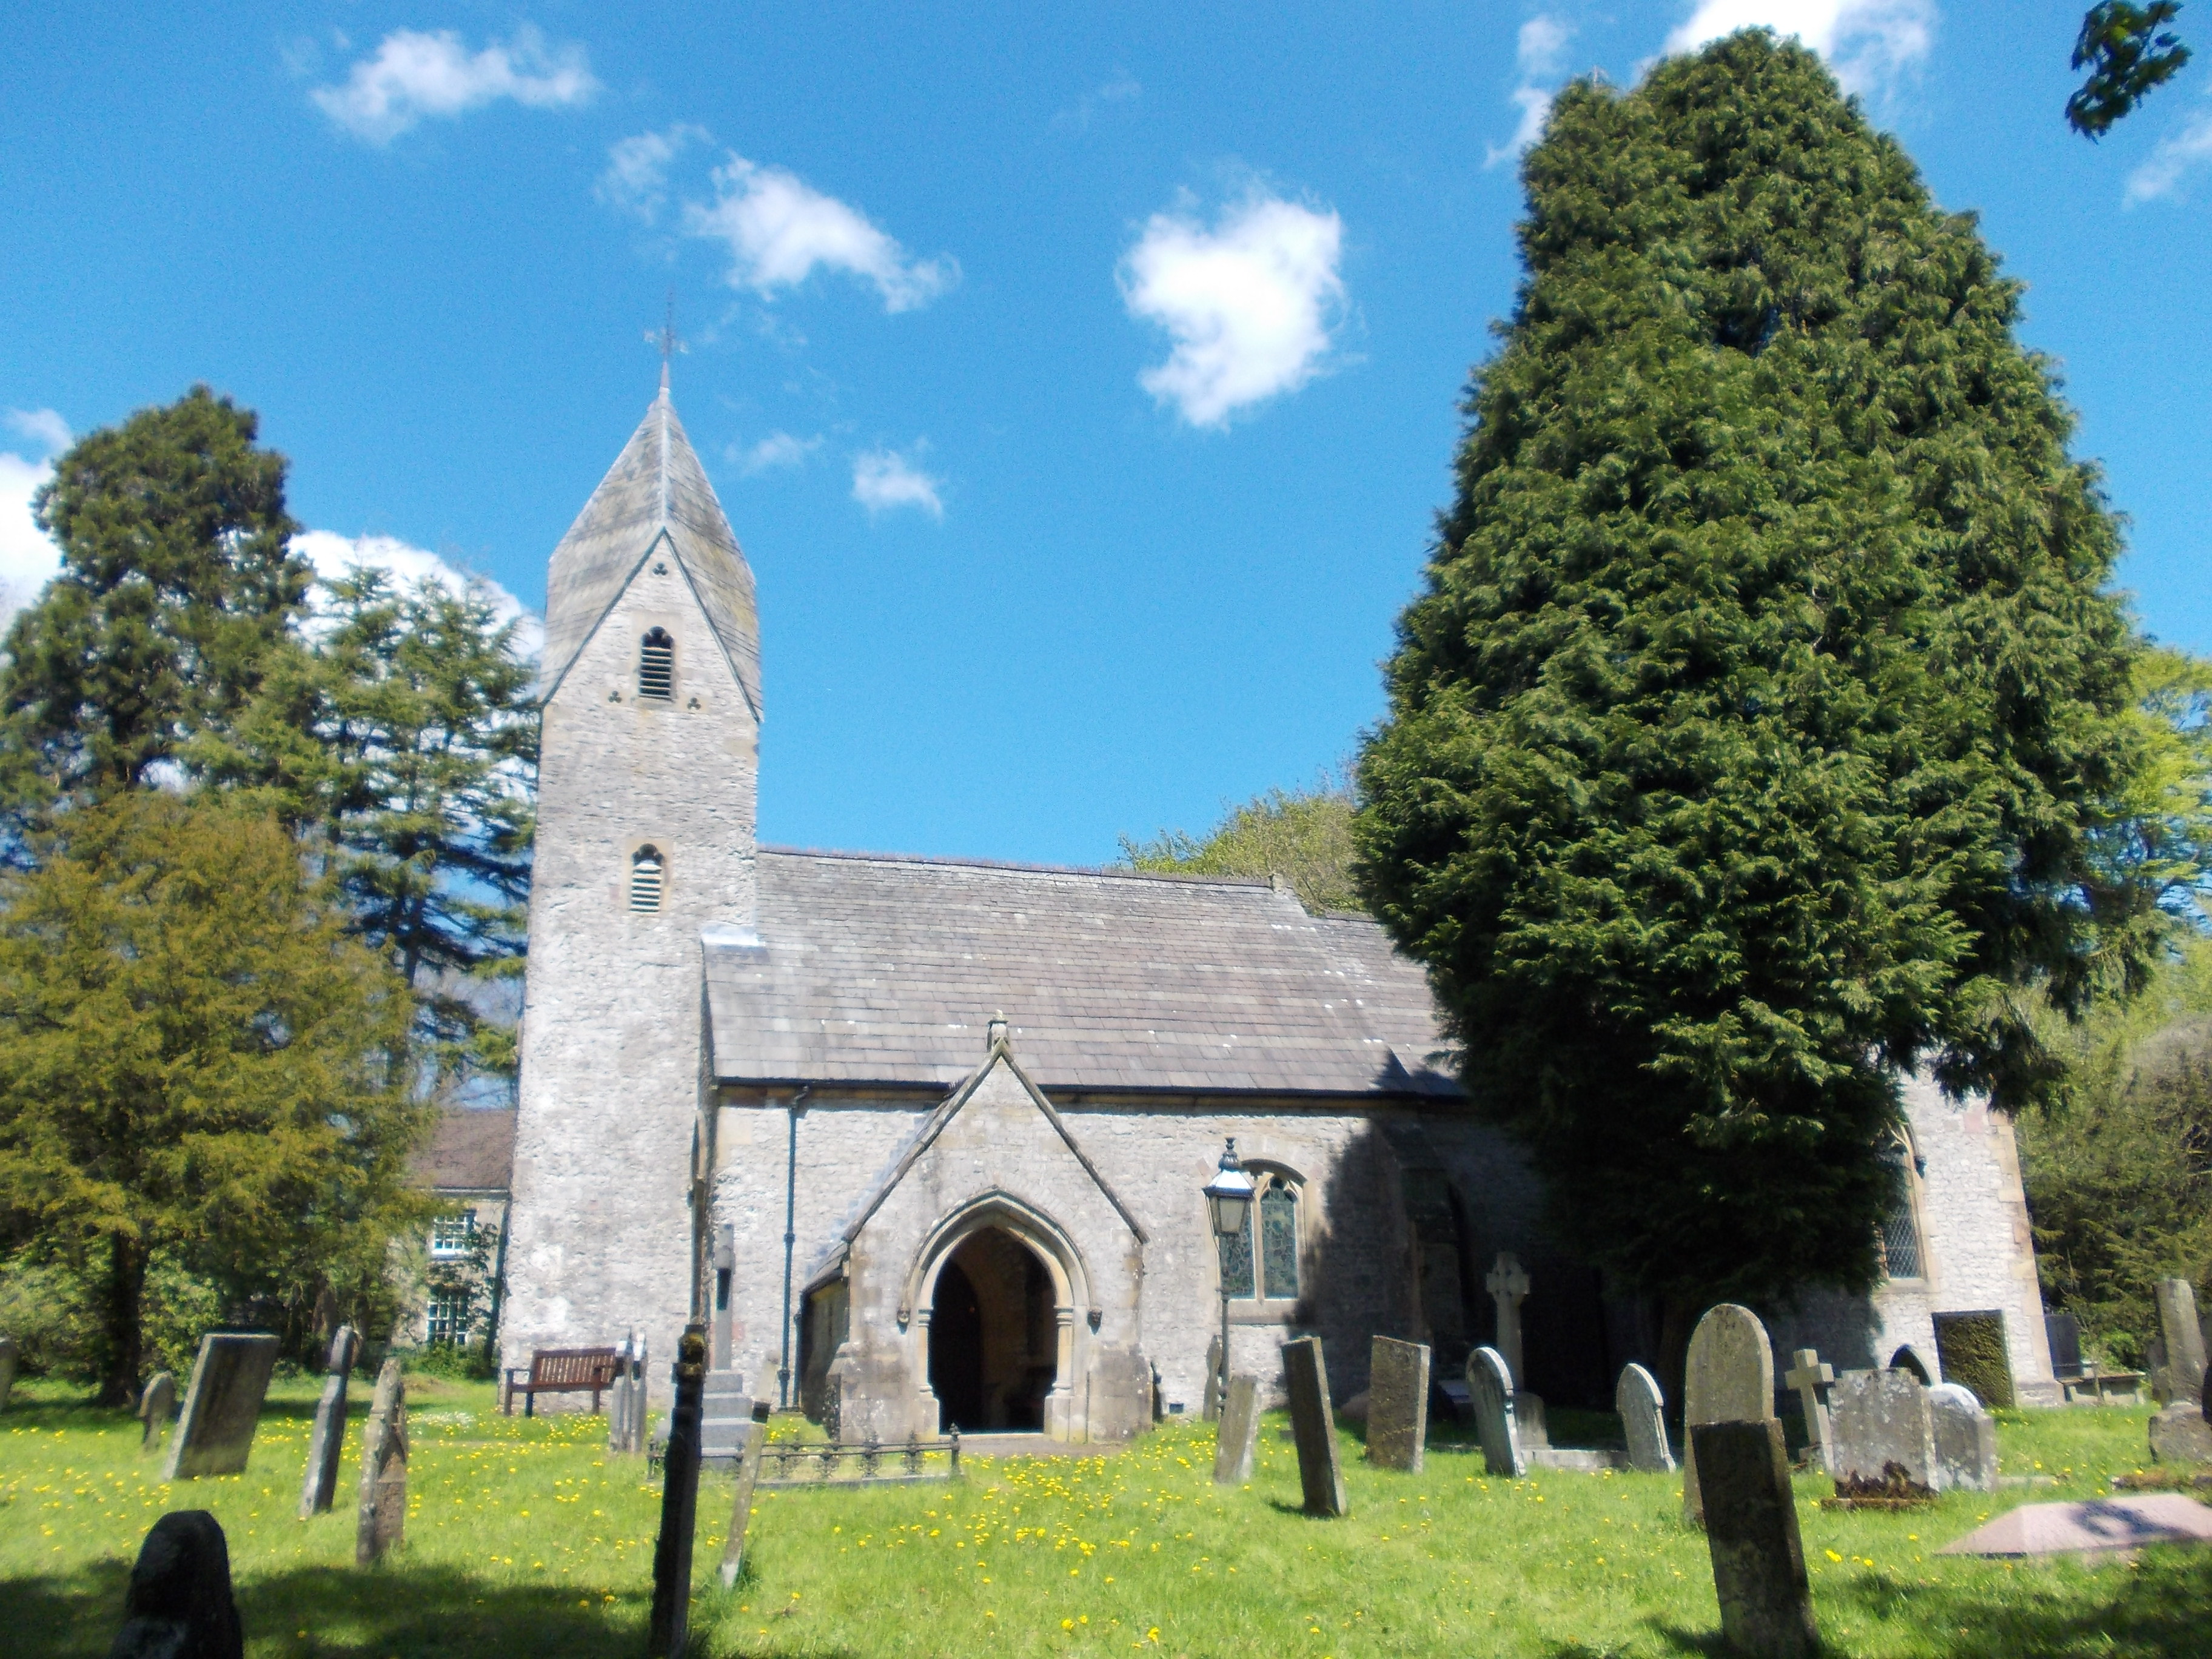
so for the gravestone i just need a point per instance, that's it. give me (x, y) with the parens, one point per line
(1508, 1285)
(8, 1362)
(1966, 1440)
(1884, 1431)
(1970, 1348)
(1808, 1374)
(230, 1379)
(2184, 1338)
(155, 1408)
(1313, 1426)
(1239, 1439)
(671, 1628)
(1210, 1403)
(1490, 1386)
(178, 1604)
(1729, 1378)
(1397, 1403)
(626, 1401)
(1643, 1420)
(326, 1441)
(741, 1505)
(382, 1517)
(1751, 1527)
(2063, 1332)
(2179, 1434)
(725, 1410)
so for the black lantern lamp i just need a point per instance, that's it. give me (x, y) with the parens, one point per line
(1229, 1203)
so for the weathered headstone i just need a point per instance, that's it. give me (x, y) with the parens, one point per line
(725, 1409)
(1729, 1378)
(1808, 1374)
(156, 1406)
(2063, 1332)
(1508, 1285)
(1970, 1348)
(1235, 1446)
(2179, 1434)
(741, 1506)
(178, 1605)
(1750, 1526)
(326, 1440)
(1490, 1384)
(1966, 1440)
(1397, 1403)
(382, 1520)
(2184, 1338)
(1642, 1407)
(7, 1361)
(671, 1628)
(1530, 1423)
(1313, 1426)
(222, 1405)
(1210, 1402)
(1885, 1432)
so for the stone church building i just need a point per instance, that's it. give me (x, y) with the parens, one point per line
(925, 1137)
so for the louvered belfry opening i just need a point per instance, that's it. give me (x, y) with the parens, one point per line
(656, 665)
(645, 879)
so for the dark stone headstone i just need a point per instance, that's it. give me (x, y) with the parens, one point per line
(2183, 1338)
(1313, 1426)
(9, 1358)
(382, 1521)
(156, 1406)
(1642, 1407)
(1885, 1432)
(178, 1605)
(1966, 1440)
(326, 1440)
(1397, 1403)
(223, 1406)
(741, 1507)
(1750, 1526)
(1970, 1348)
(1238, 1441)
(2063, 1332)
(1729, 1378)
(1210, 1403)
(679, 1502)
(2179, 1434)
(1490, 1388)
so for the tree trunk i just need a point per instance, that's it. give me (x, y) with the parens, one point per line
(125, 1296)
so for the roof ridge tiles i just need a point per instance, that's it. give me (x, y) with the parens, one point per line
(1117, 872)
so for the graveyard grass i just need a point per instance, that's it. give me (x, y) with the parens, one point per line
(525, 1539)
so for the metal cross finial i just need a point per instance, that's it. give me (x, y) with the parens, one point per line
(665, 338)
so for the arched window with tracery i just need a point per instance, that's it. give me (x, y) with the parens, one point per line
(645, 879)
(1901, 1255)
(1273, 1275)
(656, 664)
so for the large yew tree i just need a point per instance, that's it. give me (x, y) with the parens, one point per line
(1763, 729)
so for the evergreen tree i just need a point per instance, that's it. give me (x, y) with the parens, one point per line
(1304, 836)
(2128, 52)
(1755, 736)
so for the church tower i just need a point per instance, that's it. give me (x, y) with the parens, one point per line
(649, 761)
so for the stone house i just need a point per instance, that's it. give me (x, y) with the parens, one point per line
(924, 1139)
(468, 1168)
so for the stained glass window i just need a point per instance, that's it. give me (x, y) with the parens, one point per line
(1236, 1263)
(1278, 1240)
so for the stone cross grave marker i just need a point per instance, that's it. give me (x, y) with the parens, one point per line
(1810, 1375)
(156, 1406)
(1642, 1407)
(741, 1505)
(222, 1405)
(1313, 1426)
(7, 1360)
(1508, 1286)
(2185, 1340)
(1884, 1431)
(1397, 1403)
(382, 1520)
(1210, 1402)
(1751, 1527)
(326, 1440)
(1729, 1378)
(1966, 1440)
(669, 1632)
(180, 1601)
(1490, 1386)
(1235, 1446)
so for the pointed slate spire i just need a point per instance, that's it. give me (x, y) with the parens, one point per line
(655, 501)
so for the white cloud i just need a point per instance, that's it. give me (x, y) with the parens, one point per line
(333, 555)
(1870, 44)
(1542, 45)
(1119, 90)
(884, 479)
(773, 454)
(1538, 51)
(636, 177)
(1535, 106)
(779, 229)
(2162, 173)
(1249, 302)
(414, 76)
(28, 557)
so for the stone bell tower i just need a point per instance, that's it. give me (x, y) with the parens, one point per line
(647, 775)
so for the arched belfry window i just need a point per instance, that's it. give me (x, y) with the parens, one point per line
(645, 877)
(656, 664)
(1900, 1225)
(1273, 1276)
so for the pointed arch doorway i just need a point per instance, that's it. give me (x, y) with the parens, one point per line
(994, 1335)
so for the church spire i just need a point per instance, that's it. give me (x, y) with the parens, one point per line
(666, 340)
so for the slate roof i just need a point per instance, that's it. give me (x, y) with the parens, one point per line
(877, 968)
(656, 494)
(472, 1151)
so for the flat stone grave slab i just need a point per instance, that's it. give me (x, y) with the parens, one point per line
(1398, 1403)
(223, 1406)
(2097, 1525)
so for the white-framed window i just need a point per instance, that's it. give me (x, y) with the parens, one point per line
(1271, 1274)
(1902, 1257)
(452, 1235)
(451, 1307)
(656, 664)
(645, 873)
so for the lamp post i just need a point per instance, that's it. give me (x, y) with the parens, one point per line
(1229, 1203)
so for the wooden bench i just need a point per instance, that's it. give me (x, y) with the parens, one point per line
(560, 1371)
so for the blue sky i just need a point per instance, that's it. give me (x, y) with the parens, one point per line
(1081, 382)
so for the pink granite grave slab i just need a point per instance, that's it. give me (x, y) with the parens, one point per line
(2105, 1523)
